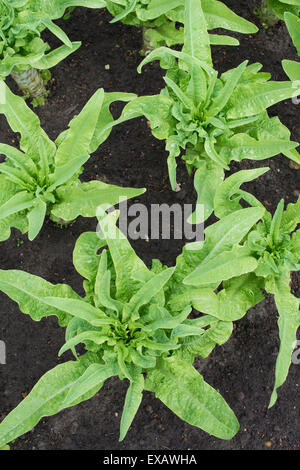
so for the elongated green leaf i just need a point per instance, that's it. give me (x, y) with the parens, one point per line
(207, 179)
(94, 336)
(57, 31)
(145, 362)
(36, 218)
(18, 202)
(275, 232)
(184, 391)
(22, 119)
(230, 304)
(248, 100)
(221, 40)
(103, 286)
(292, 69)
(29, 292)
(156, 346)
(19, 177)
(168, 322)
(196, 38)
(64, 173)
(214, 155)
(85, 255)
(133, 400)
(105, 121)
(77, 308)
(19, 159)
(94, 376)
(147, 292)
(222, 98)
(77, 139)
(167, 57)
(293, 25)
(126, 12)
(157, 8)
(197, 87)
(84, 198)
(242, 146)
(127, 263)
(291, 216)
(192, 346)
(218, 15)
(228, 194)
(288, 323)
(8, 190)
(186, 329)
(186, 101)
(220, 237)
(57, 8)
(46, 398)
(224, 266)
(51, 59)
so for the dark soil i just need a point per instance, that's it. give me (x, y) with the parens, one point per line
(243, 369)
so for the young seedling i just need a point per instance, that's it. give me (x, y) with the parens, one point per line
(134, 324)
(43, 177)
(213, 120)
(159, 18)
(275, 244)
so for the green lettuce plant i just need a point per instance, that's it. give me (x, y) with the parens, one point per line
(23, 51)
(271, 11)
(159, 19)
(211, 121)
(135, 324)
(43, 177)
(275, 243)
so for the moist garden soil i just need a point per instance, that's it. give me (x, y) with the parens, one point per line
(242, 369)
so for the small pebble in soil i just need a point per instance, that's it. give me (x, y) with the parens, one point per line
(293, 165)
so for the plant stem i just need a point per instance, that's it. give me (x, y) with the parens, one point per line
(266, 16)
(31, 84)
(147, 45)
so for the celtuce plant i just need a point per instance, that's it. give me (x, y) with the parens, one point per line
(158, 19)
(134, 324)
(214, 120)
(275, 243)
(43, 178)
(23, 51)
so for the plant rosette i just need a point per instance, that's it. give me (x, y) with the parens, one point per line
(135, 324)
(210, 120)
(275, 243)
(43, 177)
